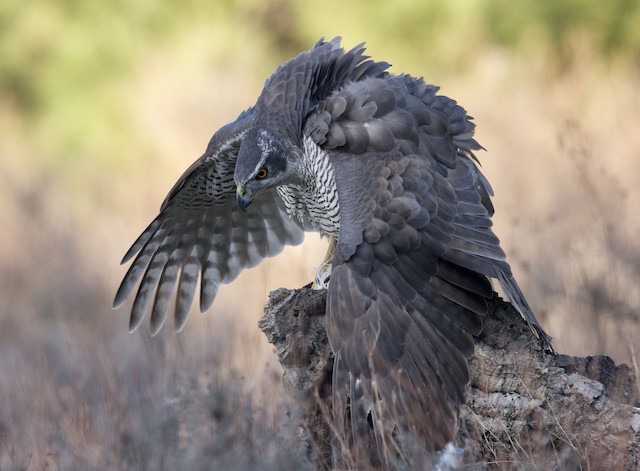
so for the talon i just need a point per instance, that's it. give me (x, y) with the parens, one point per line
(323, 272)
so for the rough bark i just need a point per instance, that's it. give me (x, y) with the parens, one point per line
(526, 408)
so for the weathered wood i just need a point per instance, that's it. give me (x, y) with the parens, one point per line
(526, 408)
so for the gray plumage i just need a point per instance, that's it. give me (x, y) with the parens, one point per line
(384, 166)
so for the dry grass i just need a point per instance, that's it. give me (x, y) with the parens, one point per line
(78, 392)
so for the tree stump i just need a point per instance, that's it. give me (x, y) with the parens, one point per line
(526, 408)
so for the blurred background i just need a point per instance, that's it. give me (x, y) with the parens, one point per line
(104, 104)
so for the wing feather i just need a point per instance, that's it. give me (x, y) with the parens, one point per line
(186, 289)
(411, 273)
(394, 317)
(201, 231)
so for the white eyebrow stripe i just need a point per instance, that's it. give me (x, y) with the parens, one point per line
(264, 144)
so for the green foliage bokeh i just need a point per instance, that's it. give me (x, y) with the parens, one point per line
(62, 62)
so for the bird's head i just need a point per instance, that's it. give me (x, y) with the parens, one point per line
(265, 160)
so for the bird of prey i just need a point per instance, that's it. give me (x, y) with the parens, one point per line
(383, 166)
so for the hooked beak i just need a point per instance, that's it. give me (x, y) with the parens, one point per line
(243, 199)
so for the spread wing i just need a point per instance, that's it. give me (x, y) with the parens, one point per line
(201, 232)
(410, 275)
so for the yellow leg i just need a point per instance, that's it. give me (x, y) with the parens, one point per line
(323, 272)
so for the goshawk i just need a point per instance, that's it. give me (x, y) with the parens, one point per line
(384, 167)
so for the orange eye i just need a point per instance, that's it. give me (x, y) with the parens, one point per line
(262, 173)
